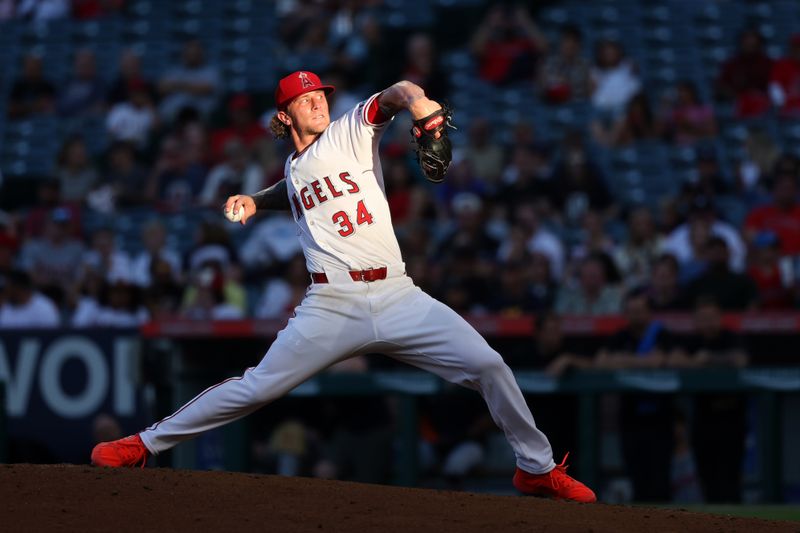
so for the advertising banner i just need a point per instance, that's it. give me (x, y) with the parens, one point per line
(66, 388)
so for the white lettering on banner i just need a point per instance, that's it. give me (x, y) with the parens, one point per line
(124, 392)
(99, 377)
(18, 385)
(87, 401)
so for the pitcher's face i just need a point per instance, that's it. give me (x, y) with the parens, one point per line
(309, 112)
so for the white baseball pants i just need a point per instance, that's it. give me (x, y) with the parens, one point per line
(343, 318)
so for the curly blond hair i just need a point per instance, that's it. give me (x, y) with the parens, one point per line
(279, 129)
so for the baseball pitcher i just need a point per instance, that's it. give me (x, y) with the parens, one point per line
(360, 299)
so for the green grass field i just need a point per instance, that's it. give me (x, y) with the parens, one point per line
(770, 512)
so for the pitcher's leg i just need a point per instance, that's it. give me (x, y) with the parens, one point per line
(433, 337)
(290, 360)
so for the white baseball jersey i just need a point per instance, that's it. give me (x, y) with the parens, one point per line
(338, 198)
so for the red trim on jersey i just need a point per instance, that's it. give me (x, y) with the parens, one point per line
(373, 115)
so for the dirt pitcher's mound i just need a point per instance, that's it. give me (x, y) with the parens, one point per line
(83, 498)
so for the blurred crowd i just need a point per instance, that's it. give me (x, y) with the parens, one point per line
(524, 223)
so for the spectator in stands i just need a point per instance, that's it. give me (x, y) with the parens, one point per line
(130, 77)
(592, 238)
(48, 198)
(528, 235)
(526, 179)
(637, 254)
(236, 174)
(212, 244)
(135, 119)
(543, 284)
(719, 423)
(75, 170)
(579, 184)
(345, 98)
(552, 352)
(507, 45)
(124, 179)
(744, 78)
(176, 179)
(646, 421)
(53, 260)
(24, 306)
(643, 343)
(350, 36)
(468, 282)
(461, 179)
(154, 247)
(687, 119)
(594, 293)
(469, 230)
(117, 307)
(193, 83)
(283, 293)
(702, 221)
(32, 94)
(565, 74)
(734, 291)
(514, 296)
(664, 292)
(242, 126)
(106, 257)
(213, 297)
(422, 67)
(7, 9)
(486, 157)
(773, 275)
(784, 80)
(707, 179)
(93, 9)
(273, 241)
(163, 297)
(782, 215)
(760, 157)
(614, 81)
(42, 10)
(406, 200)
(9, 244)
(84, 93)
(638, 123)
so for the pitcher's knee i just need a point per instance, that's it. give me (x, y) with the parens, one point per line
(488, 365)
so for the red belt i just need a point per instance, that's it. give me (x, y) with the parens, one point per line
(371, 274)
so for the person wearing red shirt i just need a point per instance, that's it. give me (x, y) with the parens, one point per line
(773, 283)
(744, 78)
(784, 80)
(507, 45)
(242, 127)
(782, 216)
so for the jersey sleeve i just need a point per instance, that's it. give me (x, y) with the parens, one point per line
(361, 128)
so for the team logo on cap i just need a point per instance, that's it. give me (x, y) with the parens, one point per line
(304, 80)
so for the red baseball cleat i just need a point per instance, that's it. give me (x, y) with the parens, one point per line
(129, 451)
(555, 484)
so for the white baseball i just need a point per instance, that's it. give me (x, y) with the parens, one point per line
(235, 216)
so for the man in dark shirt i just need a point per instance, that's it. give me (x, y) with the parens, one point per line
(719, 424)
(733, 291)
(645, 420)
(31, 94)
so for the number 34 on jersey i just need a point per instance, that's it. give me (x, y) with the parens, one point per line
(313, 194)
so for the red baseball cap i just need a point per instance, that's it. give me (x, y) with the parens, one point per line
(297, 83)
